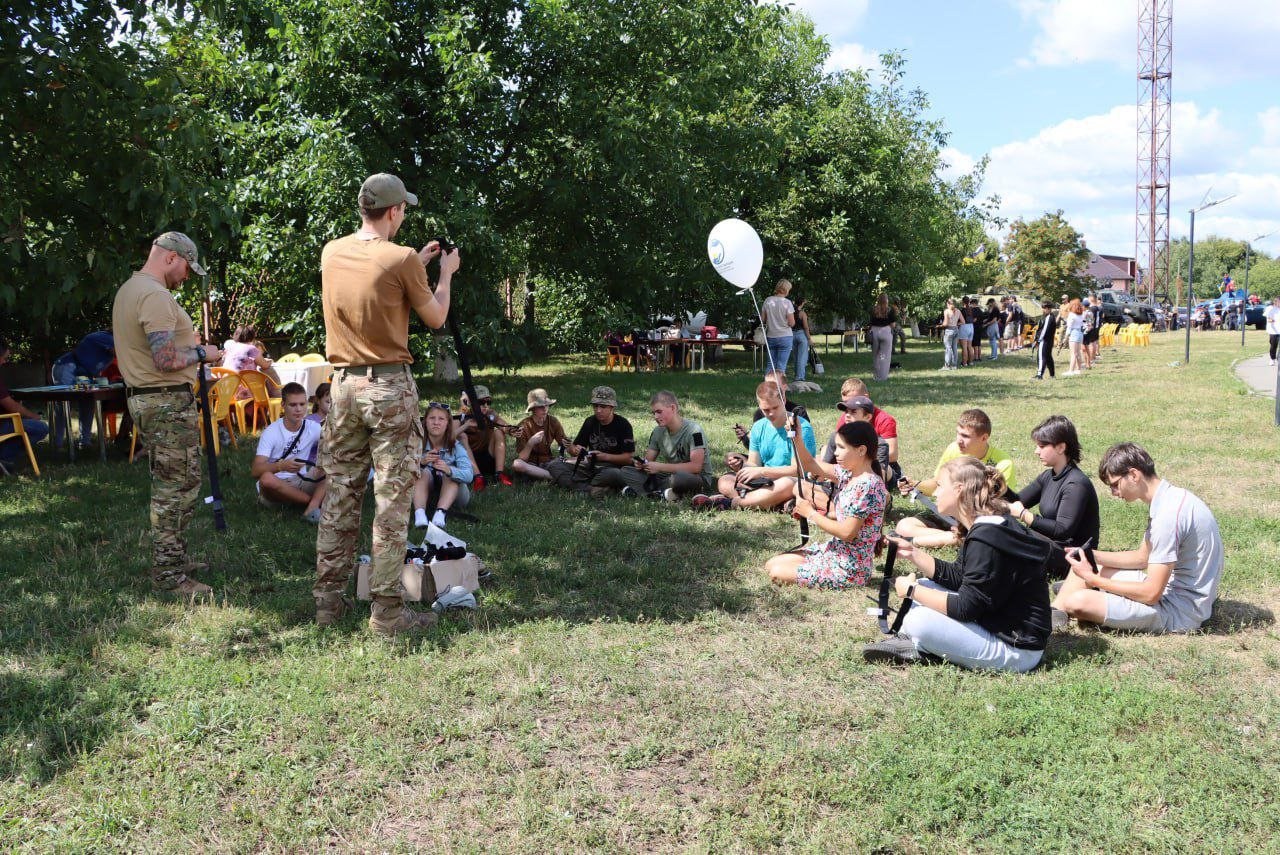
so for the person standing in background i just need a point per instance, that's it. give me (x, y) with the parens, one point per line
(779, 315)
(882, 320)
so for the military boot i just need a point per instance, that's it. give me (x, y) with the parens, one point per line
(388, 618)
(331, 607)
(172, 580)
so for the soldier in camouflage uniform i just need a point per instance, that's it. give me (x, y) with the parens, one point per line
(157, 354)
(369, 284)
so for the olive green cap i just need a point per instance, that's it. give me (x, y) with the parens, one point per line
(384, 190)
(184, 246)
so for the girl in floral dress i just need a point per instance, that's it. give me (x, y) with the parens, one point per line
(860, 501)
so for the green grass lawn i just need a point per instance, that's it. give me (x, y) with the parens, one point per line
(633, 682)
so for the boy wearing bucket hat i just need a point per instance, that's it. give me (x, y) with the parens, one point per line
(605, 441)
(486, 434)
(534, 436)
(157, 353)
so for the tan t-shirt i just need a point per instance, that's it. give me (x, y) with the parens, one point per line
(143, 305)
(542, 453)
(368, 287)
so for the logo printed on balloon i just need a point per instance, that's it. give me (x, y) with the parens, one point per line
(736, 252)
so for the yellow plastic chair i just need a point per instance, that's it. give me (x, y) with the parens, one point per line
(259, 386)
(19, 432)
(222, 397)
(290, 357)
(313, 357)
(219, 371)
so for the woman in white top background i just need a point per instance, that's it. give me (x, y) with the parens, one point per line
(779, 316)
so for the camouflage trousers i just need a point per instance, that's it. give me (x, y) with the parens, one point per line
(372, 421)
(168, 425)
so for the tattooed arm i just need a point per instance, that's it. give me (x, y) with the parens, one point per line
(167, 356)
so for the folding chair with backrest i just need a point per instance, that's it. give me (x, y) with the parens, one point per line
(20, 433)
(262, 401)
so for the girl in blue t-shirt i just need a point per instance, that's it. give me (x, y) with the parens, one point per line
(444, 462)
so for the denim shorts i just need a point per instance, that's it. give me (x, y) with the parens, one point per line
(966, 332)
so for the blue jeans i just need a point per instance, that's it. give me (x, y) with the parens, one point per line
(965, 644)
(950, 359)
(779, 352)
(64, 373)
(37, 430)
(993, 338)
(801, 348)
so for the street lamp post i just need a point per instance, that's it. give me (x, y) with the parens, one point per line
(1248, 251)
(1191, 268)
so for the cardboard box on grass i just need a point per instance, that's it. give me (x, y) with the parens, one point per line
(417, 585)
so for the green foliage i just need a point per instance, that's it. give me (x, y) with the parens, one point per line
(589, 146)
(1218, 256)
(1047, 257)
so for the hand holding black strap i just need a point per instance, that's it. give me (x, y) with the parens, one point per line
(886, 589)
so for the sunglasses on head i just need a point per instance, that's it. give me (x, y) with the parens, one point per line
(437, 405)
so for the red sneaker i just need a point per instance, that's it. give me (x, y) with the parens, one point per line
(505, 480)
(478, 485)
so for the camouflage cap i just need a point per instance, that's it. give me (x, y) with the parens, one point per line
(384, 190)
(184, 246)
(604, 396)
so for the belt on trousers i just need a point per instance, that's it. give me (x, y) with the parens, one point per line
(133, 392)
(371, 370)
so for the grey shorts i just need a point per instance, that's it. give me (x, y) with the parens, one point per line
(1131, 615)
(308, 487)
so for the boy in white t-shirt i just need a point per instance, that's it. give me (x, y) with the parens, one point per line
(280, 465)
(1272, 314)
(1170, 582)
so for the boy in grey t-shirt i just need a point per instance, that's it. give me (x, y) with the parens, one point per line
(1170, 582)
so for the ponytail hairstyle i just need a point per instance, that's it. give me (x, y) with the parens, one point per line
(981, 488)
(862, 434)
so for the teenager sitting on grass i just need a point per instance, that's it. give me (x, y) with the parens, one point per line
(445, 472)
(1170, 582)
(534, 436)
(847, 558)
(768, 478)
(1068, 503)
(988, 609)
(886, 427)
(973, 432)
(675, 462)
(486, 435)
(607, 440)
(735, 460)
(280, 465)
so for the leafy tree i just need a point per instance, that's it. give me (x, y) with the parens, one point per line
(1047, 256)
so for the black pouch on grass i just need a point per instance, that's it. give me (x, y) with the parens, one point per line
(750, 484)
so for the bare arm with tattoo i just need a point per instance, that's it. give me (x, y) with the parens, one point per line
(167, 356)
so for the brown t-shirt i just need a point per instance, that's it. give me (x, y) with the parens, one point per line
(143, 305)
(368, 287)
(542, 451)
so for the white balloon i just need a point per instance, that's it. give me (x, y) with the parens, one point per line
(736, 252)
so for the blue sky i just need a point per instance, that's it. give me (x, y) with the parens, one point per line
(1047, 88)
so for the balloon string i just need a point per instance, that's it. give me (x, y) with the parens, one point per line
(772, 365)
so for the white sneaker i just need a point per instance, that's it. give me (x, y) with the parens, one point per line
(669, 495)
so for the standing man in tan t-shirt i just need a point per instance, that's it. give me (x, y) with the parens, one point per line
(369, 284)
(157, 353)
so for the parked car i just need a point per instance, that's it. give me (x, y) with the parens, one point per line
(1120, 307)
(1230, 303)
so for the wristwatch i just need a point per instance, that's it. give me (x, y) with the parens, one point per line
(199, 353)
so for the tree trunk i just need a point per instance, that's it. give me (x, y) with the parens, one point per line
(446, 363)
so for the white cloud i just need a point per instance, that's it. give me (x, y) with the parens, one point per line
(838, 19)
(958, 164)
(851, 55)
(1214, 41)
(1087, 167)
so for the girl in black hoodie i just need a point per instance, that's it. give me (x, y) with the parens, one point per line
(989, 609)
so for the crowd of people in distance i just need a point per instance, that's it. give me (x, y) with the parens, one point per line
(1074, 324)
(989, 608)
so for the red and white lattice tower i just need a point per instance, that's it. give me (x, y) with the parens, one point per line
(1155, 82)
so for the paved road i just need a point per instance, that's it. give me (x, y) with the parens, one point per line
(1258, 374)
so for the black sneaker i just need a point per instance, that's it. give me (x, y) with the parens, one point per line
(894, 650)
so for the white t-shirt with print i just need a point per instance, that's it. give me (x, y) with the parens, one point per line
(276, 438)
